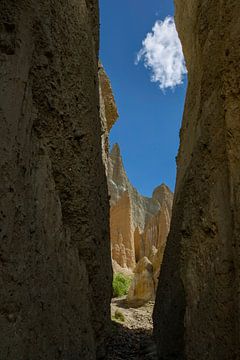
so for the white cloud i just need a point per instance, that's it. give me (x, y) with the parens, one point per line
(162, 54)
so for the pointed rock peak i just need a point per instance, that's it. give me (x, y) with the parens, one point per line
(116, 150)
(109, 105)
(116, 172)
(165, 187)
(161, 192)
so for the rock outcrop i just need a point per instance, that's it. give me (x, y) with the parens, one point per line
(54, 232)
(138, 225)
(142, 288)
(122, 232)
(108, 110)
(197, 307)
(143, 208)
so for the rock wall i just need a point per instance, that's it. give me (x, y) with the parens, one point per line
(138, 229)
(138, 224)
(54, 239)
(197, 309)
(122, 233)
(108, 111)
(142, 286)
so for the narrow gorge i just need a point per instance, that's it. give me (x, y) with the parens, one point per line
(69, 216)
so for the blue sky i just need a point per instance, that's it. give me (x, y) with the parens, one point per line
(148, 126)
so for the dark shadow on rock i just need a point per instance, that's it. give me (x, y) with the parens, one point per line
(125, 304)
(121, 303)
(130, 344)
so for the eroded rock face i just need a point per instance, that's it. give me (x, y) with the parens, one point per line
(198, 294)
(108, 110)
(122, 233)
(139, 225)
(54, 238)
(142, 288)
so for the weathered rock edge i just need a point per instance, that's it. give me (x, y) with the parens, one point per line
(197, 309)
(55, 265)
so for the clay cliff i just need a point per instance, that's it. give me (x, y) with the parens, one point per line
(138, 225)
(54, 231)
(197, 309)
(122, 232)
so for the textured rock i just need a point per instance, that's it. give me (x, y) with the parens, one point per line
(150, 246)
(138, 223)
(143, 208)
(155, 238)
(119, 269)
(54, 240)
(108, 110)
(109, 105)
(142, 288)
(138, 244)
(122, 233)
(156, 230)
(197, 308)
(139, 227)
(118, 181)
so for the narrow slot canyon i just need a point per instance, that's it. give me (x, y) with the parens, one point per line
(138, 231)
(139, 226)
(91, 269)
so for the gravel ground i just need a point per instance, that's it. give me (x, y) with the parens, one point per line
(132, 339)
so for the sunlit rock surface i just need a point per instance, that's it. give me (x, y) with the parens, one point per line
(122, 233)
(139, 225)
(142, 288)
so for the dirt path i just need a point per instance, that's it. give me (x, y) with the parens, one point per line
(131, 339)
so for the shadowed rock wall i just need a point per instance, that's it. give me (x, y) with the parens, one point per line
(198, 293)
(54, 236)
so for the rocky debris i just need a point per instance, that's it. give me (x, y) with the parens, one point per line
(197, 304)
(148, 349)
(54, 232)
(133, 338)
(142, 287)
(126, 344)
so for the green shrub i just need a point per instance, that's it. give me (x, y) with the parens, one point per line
(118, 316)
(121, 284)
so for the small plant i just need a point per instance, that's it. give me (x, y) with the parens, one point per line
(121, 284)
(118, 316)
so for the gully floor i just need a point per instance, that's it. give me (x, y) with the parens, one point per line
(132, 339)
